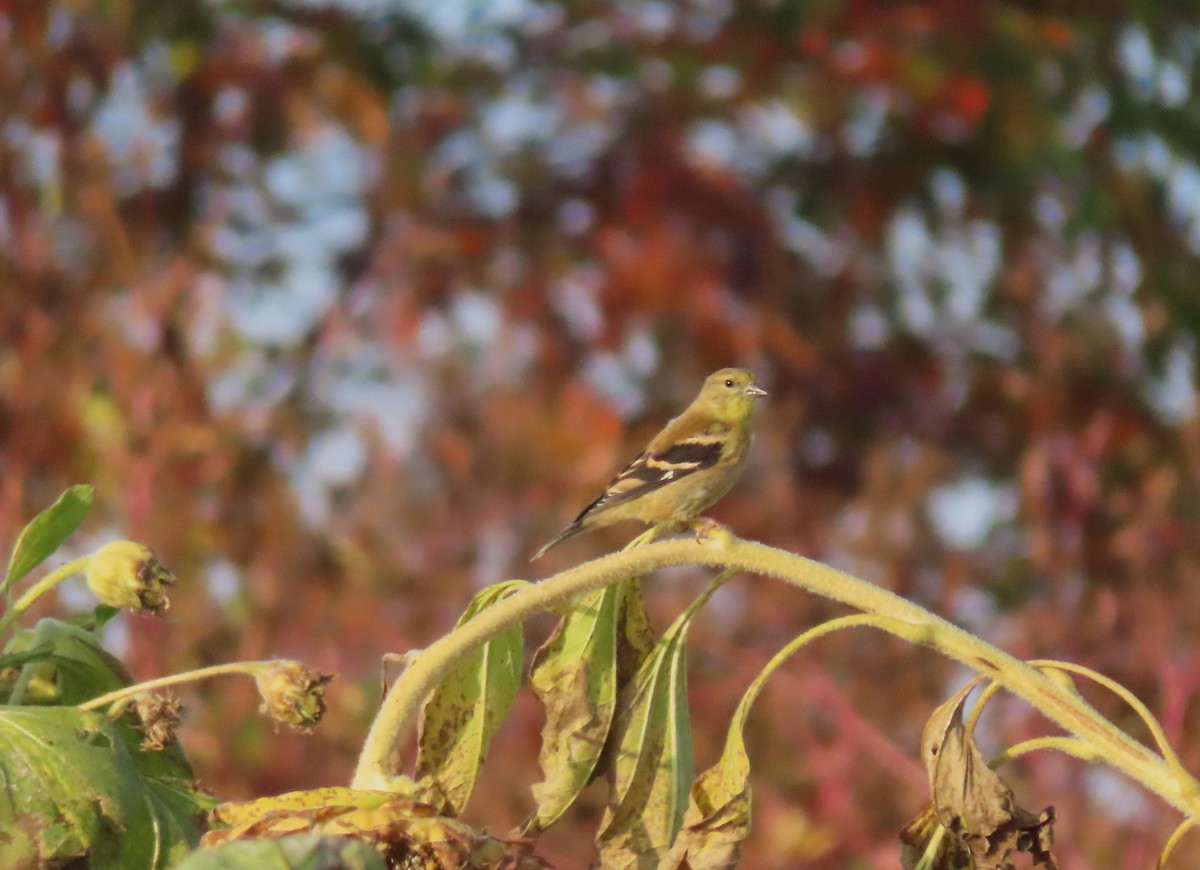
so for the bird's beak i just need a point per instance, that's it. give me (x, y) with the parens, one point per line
(754, 391)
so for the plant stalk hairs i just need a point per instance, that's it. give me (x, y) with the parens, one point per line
(1095, 736)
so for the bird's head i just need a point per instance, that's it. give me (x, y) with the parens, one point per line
(731, 393)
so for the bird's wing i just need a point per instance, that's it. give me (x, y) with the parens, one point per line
(655, 469)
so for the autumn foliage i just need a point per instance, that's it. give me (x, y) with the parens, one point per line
(342, 308)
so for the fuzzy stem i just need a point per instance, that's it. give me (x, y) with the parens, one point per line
(42, 586)
(989, 691)
(1066, 745)
(1152, 724)
(1173, 841)
(124, 694)
(403, 702)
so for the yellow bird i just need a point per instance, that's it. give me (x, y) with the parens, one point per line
(686, 467)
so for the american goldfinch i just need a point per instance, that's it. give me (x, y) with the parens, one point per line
(687, 466)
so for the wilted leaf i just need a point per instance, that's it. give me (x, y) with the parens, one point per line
(297, 852)
(45, 532)
(68, 666)
(72, 788)
(235, 814)
(652, 767)
(467, 707)
(718, 816)
(576, 675)
(636, 639)
(975, 806)
(408, 833)
(948, 853)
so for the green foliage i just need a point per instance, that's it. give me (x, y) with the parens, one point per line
(959, 240)
(62, 664)
(77, 785)
(651, 763)
(46, 532)
(309, 851)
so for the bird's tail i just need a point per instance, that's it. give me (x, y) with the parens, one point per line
(570, 531)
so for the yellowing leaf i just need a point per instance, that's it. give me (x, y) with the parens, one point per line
(407, 832)
(652, 766)
(234, 814)
(972, 803)
(467, 707)
(576, 675)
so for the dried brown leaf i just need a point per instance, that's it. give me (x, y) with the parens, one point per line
(407, 832)
(984, 825)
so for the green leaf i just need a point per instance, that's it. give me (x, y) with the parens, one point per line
(46, 532)
(652, 768)
(101, 615)
(71, 666)
(467, 707)
(577, 674)
(17, 658)
(308, 851)
(74, 789)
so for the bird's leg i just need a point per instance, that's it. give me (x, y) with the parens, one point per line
(704, 528)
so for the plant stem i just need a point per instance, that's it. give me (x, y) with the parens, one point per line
(41, 587)
(1173, 841)
(118, 695)
(722, 550)
(1065, 745)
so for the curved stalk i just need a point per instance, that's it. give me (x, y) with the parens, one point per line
(723, 550)
(1066, 745)
(117, 696)
(1173, 841)
(41, 587)
(1152, 724)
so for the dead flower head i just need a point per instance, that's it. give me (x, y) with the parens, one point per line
(293, 693)
(129, 575)
(157, 715)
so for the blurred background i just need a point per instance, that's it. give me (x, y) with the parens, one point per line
(345, 306)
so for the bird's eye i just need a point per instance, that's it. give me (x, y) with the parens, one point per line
(729, 382)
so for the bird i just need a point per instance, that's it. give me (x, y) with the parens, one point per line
(686, 467)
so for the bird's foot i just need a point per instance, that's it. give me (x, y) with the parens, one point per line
(708, 531)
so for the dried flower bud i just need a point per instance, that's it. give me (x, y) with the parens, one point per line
(157, 716)
(125, 574)
(293, 693)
